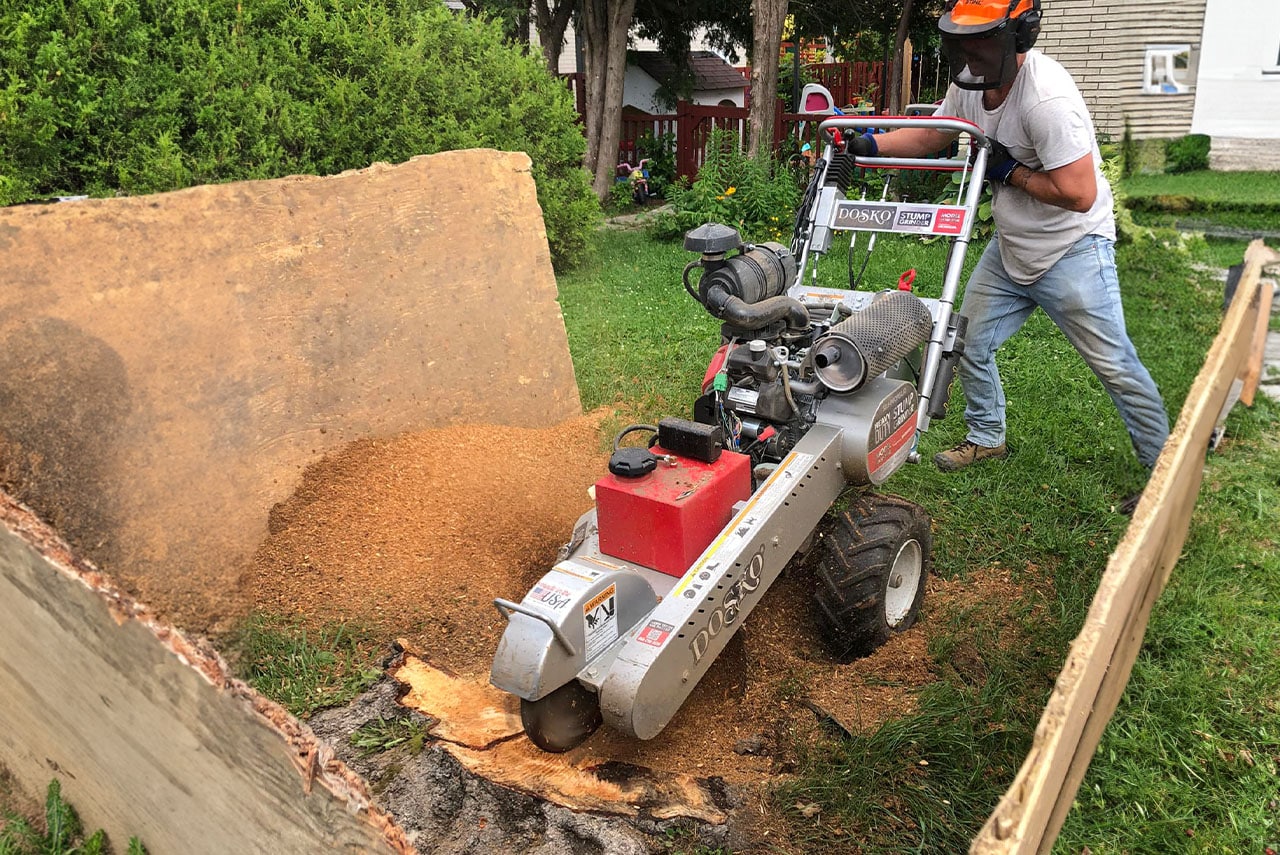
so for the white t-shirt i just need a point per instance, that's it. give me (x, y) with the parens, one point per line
(1045, 124)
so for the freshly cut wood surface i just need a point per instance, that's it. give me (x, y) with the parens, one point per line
(145, 728)
(169, 364)
(480, 726)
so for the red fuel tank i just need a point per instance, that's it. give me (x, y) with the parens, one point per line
(665, 519)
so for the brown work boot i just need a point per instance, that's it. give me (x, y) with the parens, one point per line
(966, 453)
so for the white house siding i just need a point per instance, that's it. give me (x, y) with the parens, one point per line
(569, 58)
(1103, 44)
(639, 91)
(713, 97)
(1238, 90)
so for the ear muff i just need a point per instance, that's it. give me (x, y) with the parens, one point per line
(1028, 29)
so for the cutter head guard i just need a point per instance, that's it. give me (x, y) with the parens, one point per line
(983, 37)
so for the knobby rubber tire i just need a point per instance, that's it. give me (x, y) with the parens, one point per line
(855, 552)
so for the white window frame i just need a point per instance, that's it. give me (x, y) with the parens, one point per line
(1164, 54)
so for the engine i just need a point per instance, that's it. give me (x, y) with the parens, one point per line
(780, 370)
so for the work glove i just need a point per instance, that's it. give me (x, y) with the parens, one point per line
(1000, 164)
(863, 145)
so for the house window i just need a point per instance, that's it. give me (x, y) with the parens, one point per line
(1168, 70)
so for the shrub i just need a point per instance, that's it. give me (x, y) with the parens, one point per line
(1187, 154)
(757, 197)
(134, 96)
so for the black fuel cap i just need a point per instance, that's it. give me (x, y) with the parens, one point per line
(632, 462)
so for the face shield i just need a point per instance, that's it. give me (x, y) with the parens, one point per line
(986, 61)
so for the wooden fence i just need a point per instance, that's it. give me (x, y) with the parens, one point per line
(685, 132)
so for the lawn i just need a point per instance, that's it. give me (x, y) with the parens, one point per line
(1189, 760)
(1237, 203)
(1241, 188)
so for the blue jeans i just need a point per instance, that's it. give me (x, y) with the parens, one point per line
(1081, 294)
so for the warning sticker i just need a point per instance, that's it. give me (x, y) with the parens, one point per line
(655, 633)
(600, 614)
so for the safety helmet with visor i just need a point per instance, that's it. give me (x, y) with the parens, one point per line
(983, 37)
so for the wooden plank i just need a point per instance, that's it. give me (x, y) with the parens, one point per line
(1253, 367)
(1097, 667)
(147, 731)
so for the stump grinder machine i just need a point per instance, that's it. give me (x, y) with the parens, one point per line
(814, 391)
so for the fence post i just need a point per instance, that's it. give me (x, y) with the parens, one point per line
(685, 165)
(777, 126)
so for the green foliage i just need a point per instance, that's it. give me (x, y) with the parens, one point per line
(303, 671)
(787, 77)
(375, 737)
(756, 196)
(1244, 202)
(131, 96)
(661, 153)
(63, 834)
(620, 197)
(1187, 154)
(1207, 190)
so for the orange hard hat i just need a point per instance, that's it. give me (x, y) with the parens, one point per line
(975, 19)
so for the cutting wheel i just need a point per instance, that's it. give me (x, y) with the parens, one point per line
(563, 719)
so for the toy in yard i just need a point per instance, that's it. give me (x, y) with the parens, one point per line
(638, 177)
(814, 391)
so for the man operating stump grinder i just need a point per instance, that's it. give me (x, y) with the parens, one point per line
(1055, 226)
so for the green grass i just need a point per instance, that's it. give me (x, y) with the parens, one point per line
(1237, 188)
(1253, 223)
(640, 342)
(303, 670)
(62, 833)
(1243, 202)
(377, 736)
(1202, 703)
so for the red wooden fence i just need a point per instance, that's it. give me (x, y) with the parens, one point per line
(693, 123)
(689, 126)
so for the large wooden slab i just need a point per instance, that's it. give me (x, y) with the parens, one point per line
(170, 363)
(1101, 658)
(146, 730)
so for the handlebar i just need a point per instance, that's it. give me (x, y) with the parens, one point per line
(946, 124)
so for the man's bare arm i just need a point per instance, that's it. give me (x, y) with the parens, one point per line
(1074, 186)
(913, 142)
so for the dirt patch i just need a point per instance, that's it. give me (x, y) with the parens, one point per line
(416, 535)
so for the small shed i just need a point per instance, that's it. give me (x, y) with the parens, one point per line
(651, 74)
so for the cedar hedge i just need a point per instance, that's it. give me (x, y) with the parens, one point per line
(101, 97)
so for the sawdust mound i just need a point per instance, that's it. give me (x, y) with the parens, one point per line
(415, 535)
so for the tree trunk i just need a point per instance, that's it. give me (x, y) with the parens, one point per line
(768, 16)
(552, 22)
(605, 24)
(896, 67)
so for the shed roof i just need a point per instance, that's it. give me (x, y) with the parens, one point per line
(709, 70)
